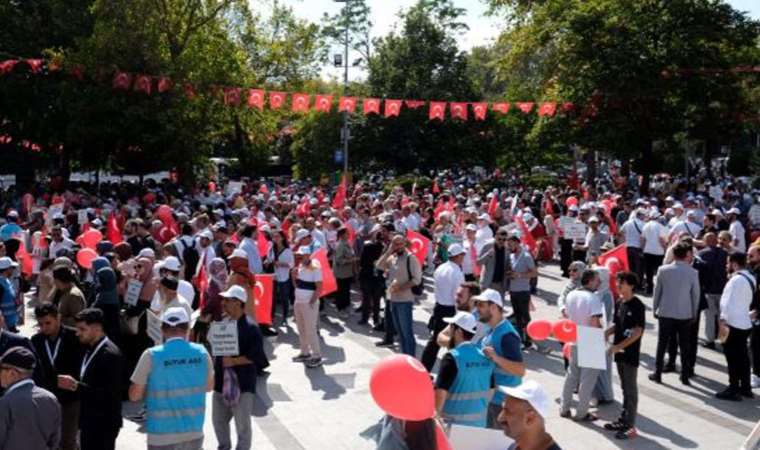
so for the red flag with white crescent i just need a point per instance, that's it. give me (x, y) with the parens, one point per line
(458, 110)
(113, 233)
(263, 291)
(418, 245)
(329, 283)
(371, 105)
(323, 103)
(525, 235)
(480, 110)
(340, 194)
(256, 99)
(276, 99)
(347, 104)
(262, 244)
(392, 108)
(615, 260)
(493, 205)
(437, 111)
(502, 107)
(525, 107)
(300, 102)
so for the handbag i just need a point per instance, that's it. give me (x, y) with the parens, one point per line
(417, 289)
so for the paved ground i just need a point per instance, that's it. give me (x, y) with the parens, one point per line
(331, 408)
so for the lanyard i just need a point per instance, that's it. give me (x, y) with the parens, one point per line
(52, 356)
(88, 358)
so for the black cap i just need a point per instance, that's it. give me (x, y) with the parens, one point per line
(169, 282)
(20, 358)
(63, 274)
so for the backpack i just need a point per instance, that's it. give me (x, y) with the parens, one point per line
(190, 257)
(417, 289)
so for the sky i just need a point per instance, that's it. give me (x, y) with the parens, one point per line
(483, 29)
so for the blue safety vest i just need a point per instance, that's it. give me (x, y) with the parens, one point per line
(8, 303)
(502, 378)
(467, 400)
(176, 392)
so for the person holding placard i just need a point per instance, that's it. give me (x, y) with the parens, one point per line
(308, 282)
(236, 371)
(173, 378)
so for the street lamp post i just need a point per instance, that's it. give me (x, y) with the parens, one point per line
(345, 86)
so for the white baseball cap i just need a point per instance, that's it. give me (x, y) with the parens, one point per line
(206, 234)
(471, 227)
(485, 217)
(733, 211)
(490, 295)
(171, 263)
(300, 234)
(147, 253)
(176, 315)
(531, 392)
(239, 253)
(6, 262)
(236, 292)
(455, 250)
(463, 320)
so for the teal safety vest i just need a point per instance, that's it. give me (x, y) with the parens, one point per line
(176, 392)
(8, 303)
(467, 400)
(502, 378)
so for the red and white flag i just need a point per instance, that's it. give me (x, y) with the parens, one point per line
(525, 107)
(329, 283)
(502, 107)
(340, 194)
(458, 110)
(480, 110)
(615, 260)
(418, 245)
(113, 232)
(256, 99)
(347, 104)
(277, 99)
(392, 107)
(371, 105)
(437, 111)
(263, 291)
(323, 103)
(300, 102)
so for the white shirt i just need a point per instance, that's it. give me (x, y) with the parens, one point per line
(754, 215)
(482, 236)
(652, 232)
(66, 243)
(581, 305)
(446, 280)
(252, 250)
(470, 257)
(410, 223)
(684, 226)
(179, 300)
(631, 231)
(307, 274)
(737, 231)
(735, 300)
(282, 274)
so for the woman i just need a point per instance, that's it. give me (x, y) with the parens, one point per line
(107, 297)
(344, 261)
(283, 263)
(397, 434)
(575, 270)
(308, 284)
(211, 305)
(241, 275)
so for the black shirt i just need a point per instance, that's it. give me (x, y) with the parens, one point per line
(498, 268)
(711, 265)
(371, 252)
(251, 346)
(629, 315)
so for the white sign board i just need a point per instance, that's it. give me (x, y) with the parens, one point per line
(565, 222)
(54, 211)
(133, 292)
(577, 232)
(82, 217)
(592, 351)
(223, 337)
(462, 437)
(154, 327)
(234, 187)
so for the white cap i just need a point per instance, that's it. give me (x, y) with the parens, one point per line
(239, 253)
(171, 263)
(471, 227)
(593, 219)
(490, 295)
(176, 315)
(6, 262)
(669, 198)
(236, 292)
(485, 217)
(455, 250)
(301, 234)
(677, 206)
(734, 211)
(147, 253)
(654, 214)
(206, 234)
(573, 208)
(464, 320)
(12, 213)
(97, 223)
(531, 392)
(691, 213)
(717, 212)
(303, 250)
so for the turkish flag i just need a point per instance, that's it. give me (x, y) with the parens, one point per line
(262, 244)
(7, 66)
(501, 107)
(323, 103)
(340, 194)
(304, 209)
(256, 99)
(371, 105)
(263, 291)
(286, 225)
(493, 205)
(113, 233)
(164, 85)
(418, 244)
(615, 260)
(200, 282)
(436, 189)
(437, 111)
(392, 107)
(525, 235)
(547, 109)
(276, 99)
(35, 65)
(347, 104)
(525, 107)
(143, 84)
(300, 102)
(458, 110)
(24, 258)
(122, 80)
(232, 96)
(189, 91)
(414, 104)
(329, 283)
(480, 110)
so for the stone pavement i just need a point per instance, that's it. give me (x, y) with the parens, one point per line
(330, 407)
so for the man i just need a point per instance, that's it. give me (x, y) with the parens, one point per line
(316, 234)
(60, 354)
(403, 272)
(167, 297)
(58, 242)
(371, 281)
(689, 227)
(99, 383)
(523, 417)
(463, 385)
(736, 325)
(30, 417)
(494, 260)
(566, 241)
(206, 251)
(465, 302)
(630, 233)
(67, 297)
(8, 305)
(446, 280)
(627, 328)
(174, 378)
(595, 238)
(711, 265)
(654, 241)
(502, 346)
(142, 238)
(11, 227)
(753, 263)
(675, 305)
(187, 252)
(248, 245)
(523, 270)
(243, 366)
(583, 307)
(737, 230)
(484, 233)
(170, 267)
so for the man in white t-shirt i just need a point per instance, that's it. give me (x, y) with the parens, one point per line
(690, 227)
(630, 233)
(737, 230)
(654, 241)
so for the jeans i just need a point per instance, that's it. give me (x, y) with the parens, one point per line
(402, 322)
(711, 317)
(565, 255)
(521, 307)
(627, 373)
(584, 378)
(195, 444)
(221, 415)
(430, 353)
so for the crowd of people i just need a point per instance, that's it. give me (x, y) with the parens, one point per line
(129, 282)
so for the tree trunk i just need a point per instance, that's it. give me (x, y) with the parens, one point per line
(707, 156)
(590, 167)
(646, 167)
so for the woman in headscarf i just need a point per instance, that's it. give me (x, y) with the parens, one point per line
(575, 269)
(211, 301)
(106, 297)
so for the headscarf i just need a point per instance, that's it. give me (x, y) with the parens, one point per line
(123, 250)
(150, 283)
(104, 247)
(105, 282)
(218, 272)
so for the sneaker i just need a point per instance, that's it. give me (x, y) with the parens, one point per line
(755, 382)
(314, 363)
(301, 358)
(627, 433)
(615, 426)
(384, 343)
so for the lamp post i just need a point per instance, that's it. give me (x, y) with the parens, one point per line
(344, 133)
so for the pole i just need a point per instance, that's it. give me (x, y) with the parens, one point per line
(345, 90)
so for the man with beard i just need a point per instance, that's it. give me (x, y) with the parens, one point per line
(464, 382)
(523, 417)
(465, 302)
